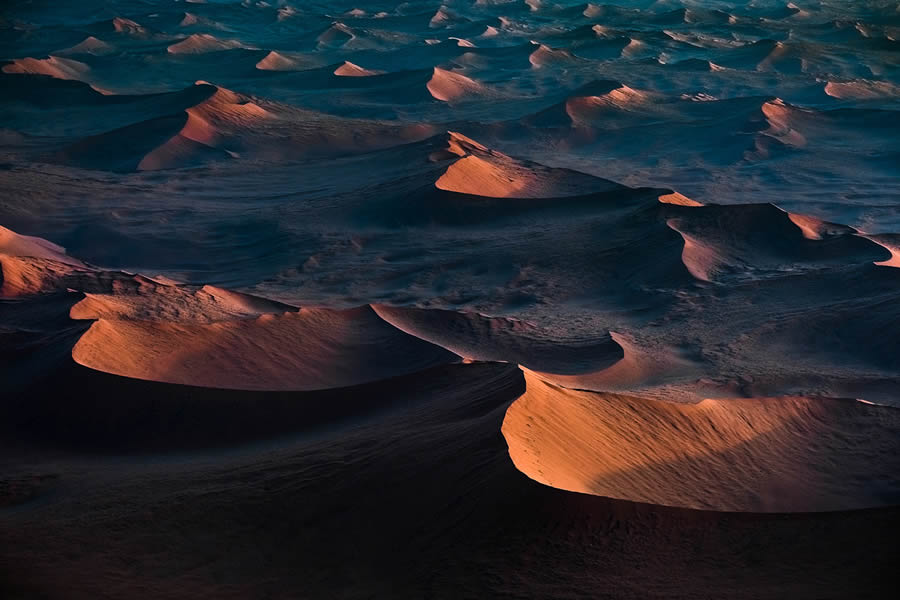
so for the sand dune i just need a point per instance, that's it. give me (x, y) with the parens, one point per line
(142, 299)
(477, 337)
(199, 43)
(444, 17)
(279, 61)
(123, 25)
(733, 240)
(405, 302)
(90, 45)
(308, 350)
(348, 69)
(754, 454)
(14, 244)
(891, 242)
(30, 265)
(448, 86)
(53, 66)
(151, 145)
(483, 172)
(544, 55)
(861, 90)
(210, 123)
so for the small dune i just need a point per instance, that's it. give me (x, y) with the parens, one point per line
(127, 26)
(451, 87)
(348, 69)
(278, 61)
(861, 90)
(53, 66)
(482, 172)
(201, 43)
(545, 55)
(90, 45)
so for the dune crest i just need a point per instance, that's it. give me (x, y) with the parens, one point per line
(29, 265)
(477, 337)
(444, 18)
(861, 90)
(480, 171)
(678, 199)
(123, 25)
(545, 55)
(451, 87)
(891, 243)
(277, 61)
(90, 45)
(200, 43)
(142, 299)
(348, 69)
(751, 454)
(307, 350)
(53, 66)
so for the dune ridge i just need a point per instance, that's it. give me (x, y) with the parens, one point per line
(199, 43)
(483, 172)
(448, 86)
(755, 454)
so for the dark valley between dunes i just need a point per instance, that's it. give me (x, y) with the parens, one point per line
(461, 299)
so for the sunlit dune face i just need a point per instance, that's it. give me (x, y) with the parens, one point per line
(448, 86)
(754, 454)
(312, 349)
(473, 175)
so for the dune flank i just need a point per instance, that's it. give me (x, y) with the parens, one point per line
(307, 350)
(755, 454)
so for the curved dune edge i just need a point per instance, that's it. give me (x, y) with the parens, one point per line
(788, 454)
(210, 123)
(309, 350)
(891, 243)
(498, 339)
(451, 87)
(52, 66)
(736, 240)
(479, 171)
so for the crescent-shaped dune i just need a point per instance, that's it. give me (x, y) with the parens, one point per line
(448, 86)
(754, 454)
(308, 350)
(545, 55)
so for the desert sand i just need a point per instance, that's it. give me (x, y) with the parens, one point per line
(461, 299)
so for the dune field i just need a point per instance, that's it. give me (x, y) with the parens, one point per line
(460, 299)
